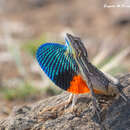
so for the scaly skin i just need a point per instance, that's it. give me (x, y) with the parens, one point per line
(97, 81)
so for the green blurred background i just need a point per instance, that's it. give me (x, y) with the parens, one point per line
(26, 24)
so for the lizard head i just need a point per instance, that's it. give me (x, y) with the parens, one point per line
(75, 45)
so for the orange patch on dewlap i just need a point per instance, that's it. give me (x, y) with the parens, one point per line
(78, 85)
